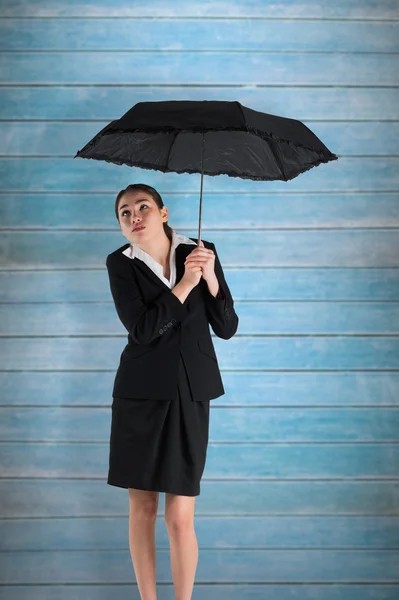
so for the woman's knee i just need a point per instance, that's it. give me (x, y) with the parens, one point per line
(179, 513)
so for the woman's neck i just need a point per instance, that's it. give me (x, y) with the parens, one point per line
(159, 249)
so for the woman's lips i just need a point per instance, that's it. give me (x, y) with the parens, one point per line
(138, 229)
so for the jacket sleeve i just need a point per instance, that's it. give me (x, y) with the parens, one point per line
(144, 322)
(220, 309)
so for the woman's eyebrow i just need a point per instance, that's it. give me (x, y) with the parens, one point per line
(135, 202)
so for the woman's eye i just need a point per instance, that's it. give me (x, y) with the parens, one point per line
(141, 206)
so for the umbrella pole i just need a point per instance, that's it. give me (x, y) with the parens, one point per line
(202, 179)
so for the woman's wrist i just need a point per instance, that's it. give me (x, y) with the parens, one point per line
(213, 286)
(182, 290)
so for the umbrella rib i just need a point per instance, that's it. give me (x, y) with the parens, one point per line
(277, 158)
(170, 149)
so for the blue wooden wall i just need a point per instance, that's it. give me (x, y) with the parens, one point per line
(300, 495)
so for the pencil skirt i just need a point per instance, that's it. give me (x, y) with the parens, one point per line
(159, 445)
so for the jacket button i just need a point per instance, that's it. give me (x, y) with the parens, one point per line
(161, 331)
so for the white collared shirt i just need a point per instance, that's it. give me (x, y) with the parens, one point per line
(134, 251)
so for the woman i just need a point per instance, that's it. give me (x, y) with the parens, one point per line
(167, 291)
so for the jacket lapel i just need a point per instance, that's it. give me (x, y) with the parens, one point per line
(182, 251)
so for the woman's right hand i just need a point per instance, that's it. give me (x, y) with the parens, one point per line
(192, 274)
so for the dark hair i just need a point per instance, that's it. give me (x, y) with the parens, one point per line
(154, 195)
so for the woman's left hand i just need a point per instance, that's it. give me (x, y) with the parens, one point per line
(204, 258)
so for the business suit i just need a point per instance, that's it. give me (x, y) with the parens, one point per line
(168, 372)
(160, 327)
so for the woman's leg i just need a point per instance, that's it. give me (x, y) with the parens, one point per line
(143, 508)
(179, 519)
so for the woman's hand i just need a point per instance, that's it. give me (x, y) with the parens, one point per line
(204, 258)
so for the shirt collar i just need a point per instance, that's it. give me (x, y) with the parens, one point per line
(134, 251)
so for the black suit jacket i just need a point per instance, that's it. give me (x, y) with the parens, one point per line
(160, 327)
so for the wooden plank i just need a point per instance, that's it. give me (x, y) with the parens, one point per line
(198, 35)
(309, 461)
(51, 210)
(52, 497)
(307, 248)
(243, 388)
(245, 283)
(231, 425)
(275, 352)
(203, 68)
(226, 565)
(349, 174)
(256, 318)
(290, 9)
(251, 532)
(259, 591)
(64, 139)
(268, 211)
(110, 102)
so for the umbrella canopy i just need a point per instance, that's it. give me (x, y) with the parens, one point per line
(211, 137)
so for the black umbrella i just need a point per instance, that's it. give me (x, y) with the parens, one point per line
(211, 137)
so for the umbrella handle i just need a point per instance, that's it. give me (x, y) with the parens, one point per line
(202, 179)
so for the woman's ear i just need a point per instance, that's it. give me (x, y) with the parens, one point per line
(165, 213)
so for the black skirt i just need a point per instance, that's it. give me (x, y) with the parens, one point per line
(159, 445)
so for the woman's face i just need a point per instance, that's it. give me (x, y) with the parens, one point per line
(139, 209)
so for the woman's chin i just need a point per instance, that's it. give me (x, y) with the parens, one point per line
(135, 236)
